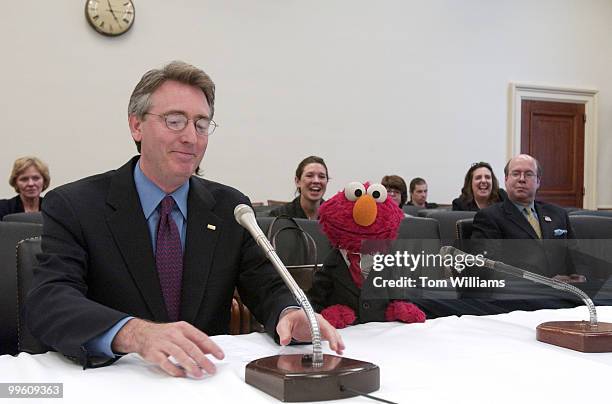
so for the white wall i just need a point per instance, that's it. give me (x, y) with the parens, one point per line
(415, 88)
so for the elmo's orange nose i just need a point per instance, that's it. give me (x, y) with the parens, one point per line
(364, 211)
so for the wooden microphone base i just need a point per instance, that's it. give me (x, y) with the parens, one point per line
(292, 378)
(577, 335)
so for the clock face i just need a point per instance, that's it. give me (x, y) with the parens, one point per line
(110, 17)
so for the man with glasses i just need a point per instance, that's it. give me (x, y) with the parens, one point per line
(522, 232)
(146, 258)
(521, 216)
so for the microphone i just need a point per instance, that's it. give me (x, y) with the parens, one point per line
(521, 273)
(580, 336)
(245, 216)
(297, 377)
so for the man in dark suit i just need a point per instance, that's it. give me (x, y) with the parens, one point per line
(145, 258)
(528, 229)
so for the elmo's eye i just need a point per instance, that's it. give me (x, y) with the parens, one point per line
(378, 192)
(354, 190)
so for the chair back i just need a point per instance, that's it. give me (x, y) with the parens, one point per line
(263, 210)
(27, 252)
(447, 221)
(418, 228)
(412, 210)
(464, 229)
(24, 217)
(607, 213)
(591, 227)
(274, 202)
(10, 235)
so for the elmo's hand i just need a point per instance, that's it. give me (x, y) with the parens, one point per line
(399, 310)
(339, 315)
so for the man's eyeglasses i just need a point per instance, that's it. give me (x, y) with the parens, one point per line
(177, 122)
(529, 175)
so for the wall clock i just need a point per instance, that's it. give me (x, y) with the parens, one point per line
(110, 17)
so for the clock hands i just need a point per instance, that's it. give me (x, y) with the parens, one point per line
(110, 8)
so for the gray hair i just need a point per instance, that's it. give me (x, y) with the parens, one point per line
(140, 100)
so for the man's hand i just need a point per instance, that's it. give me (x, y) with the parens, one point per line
(157, 342)
(295, 324)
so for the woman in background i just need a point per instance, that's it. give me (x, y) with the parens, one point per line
(29, 177)
(480, 189)
(311, 179)
(396, 189)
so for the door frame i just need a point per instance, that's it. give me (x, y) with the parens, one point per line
(540, 92)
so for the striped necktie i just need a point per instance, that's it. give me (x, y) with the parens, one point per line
(533, 222)
(169, 259)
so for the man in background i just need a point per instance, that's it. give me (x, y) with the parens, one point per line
(529, 234)
(418, 194)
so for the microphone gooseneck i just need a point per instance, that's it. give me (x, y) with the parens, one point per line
(521, 273)
(245, 216)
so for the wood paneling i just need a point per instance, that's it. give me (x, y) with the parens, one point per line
(553, 132)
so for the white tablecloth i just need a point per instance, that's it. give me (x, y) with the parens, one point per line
(487, 359)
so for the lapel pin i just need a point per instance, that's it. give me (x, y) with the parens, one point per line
(547, 219)
(211, 227)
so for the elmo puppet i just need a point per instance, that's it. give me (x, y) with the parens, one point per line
(340, 291)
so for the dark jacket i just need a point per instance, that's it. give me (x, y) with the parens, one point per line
(291, 209)
(333, 285)
(503, 233)
(462, 204)
(13, 205)
(521, 245)
(97, 264)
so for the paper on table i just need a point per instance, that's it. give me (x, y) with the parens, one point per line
(241, 350)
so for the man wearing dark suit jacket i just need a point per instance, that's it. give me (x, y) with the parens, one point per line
(145, 258)
(527, 228)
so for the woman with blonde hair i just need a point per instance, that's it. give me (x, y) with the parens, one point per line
(29, 177)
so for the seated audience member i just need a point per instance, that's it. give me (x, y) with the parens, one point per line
(145, 258)
(396, 189)
(529, 234)
(480, 189)
(418, 194)
(29, 177)
(311, 179)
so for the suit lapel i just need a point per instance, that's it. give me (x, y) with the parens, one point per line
(203, 229)
(129, 228)
(514, 215)
(344, 276)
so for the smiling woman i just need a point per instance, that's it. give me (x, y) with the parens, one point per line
(311, 179)
(29, 177)
(480, 189)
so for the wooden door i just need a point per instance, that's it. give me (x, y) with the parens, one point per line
(553, 132)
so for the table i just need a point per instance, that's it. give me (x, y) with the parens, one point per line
(469, 359)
